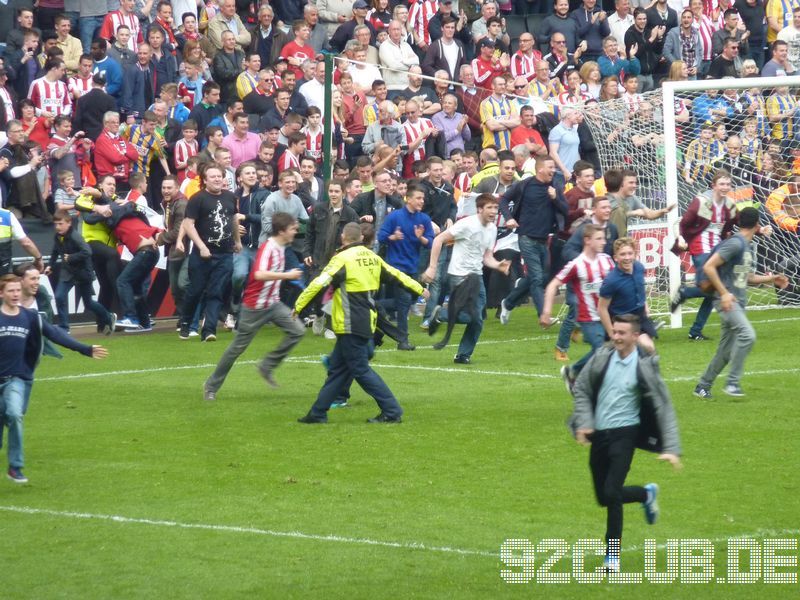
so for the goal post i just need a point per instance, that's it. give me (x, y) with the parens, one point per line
(652, 135)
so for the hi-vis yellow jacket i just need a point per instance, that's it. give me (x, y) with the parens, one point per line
(356, 273)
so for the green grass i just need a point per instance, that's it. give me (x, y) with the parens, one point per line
(479, 458)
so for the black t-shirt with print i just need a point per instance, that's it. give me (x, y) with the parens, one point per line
(213, 216)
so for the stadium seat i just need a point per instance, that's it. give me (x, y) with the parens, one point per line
(514, 46)
(533, 22)
(515, 26)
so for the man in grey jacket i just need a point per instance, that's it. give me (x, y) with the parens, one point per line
(621, 403)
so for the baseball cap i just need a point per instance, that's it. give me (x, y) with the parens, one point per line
(486, 43)
(360, 4)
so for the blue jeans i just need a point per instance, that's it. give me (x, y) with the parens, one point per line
(242, 263)
(210, 276)
(350, 360)
(695, 292)
(568, 324)
(474, 328)
(595, 334)
(400, 301)
(86, 293)
(133, 284)
(14, 394)
(88, 25)
(535, 254)
(435, 288)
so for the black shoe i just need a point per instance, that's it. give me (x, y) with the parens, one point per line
(184, 332)
(460, 359)
(677, 299)
(382, 418)
(699, 338)
(434, 322)
(406, 346)
(311, 419)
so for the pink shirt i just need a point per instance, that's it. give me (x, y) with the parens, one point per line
(242, 150)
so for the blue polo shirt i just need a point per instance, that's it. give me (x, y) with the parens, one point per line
(626, 290)
(404, 254)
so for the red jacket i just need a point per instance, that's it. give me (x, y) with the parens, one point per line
(698, 216)
(113, 155)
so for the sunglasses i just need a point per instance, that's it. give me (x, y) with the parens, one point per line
(520, 87)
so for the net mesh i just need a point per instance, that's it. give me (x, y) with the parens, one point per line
(629, 133)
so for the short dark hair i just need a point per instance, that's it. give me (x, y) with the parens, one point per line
(748, 218)
(485, 199)
(295, 138)
(633, 320)
(281, 221)
(582, 165)
(505, 155)
(209, 86)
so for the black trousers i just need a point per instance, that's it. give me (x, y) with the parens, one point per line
(610, 460)
(107, 266)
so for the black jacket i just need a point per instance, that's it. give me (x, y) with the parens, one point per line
(317, 232)
(89, 111)
(440, 204)
(536, 213)
(654, 18)
(77, 268)
(364, 204)
(435, 60)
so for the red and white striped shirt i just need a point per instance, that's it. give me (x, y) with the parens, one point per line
(484, 72)
(183, 152)
(632, 101)
(5, 98)
(288, 161)
(586, 276)
(114, 19)
(313, 144)
(463, 182)
(263, 294)
(706, 30)
(522, 65)
(50, 96)
(420, 15)
(711, 235)
(413, 131)
(80, 85)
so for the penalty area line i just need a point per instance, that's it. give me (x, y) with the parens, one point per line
(26, 510)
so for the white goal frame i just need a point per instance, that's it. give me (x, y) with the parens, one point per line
(669, 89)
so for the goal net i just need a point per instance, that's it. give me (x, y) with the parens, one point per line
(676, 138)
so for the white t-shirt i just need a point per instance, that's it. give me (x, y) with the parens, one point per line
(17, 232)
(472, 240)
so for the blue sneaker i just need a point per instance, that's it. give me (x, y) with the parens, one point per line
(702, 392)
(16, 475)
(650, 505)
(338, 404)
(325, 359)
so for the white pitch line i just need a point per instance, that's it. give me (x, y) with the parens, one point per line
(314, 358)
(466, 370)
(27, 510)
(250, 530)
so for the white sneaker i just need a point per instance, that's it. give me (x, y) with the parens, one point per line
(329, 335)
(505, 314)
(318, 326)
(230, 322)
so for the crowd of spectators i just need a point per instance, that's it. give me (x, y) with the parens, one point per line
(135, 101)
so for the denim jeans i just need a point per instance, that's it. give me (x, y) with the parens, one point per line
(595, 334)
(88, 25)
(474, 328)
(568, 324)
(134, 283)
(86, 293)
(210, 276)
(695, 292)
(14, 393)
(350, 360)
(737, 337)
(435, 288)
(400, 301)
(242, 263)
(535, 254)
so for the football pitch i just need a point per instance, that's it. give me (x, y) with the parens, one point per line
(139, 488)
